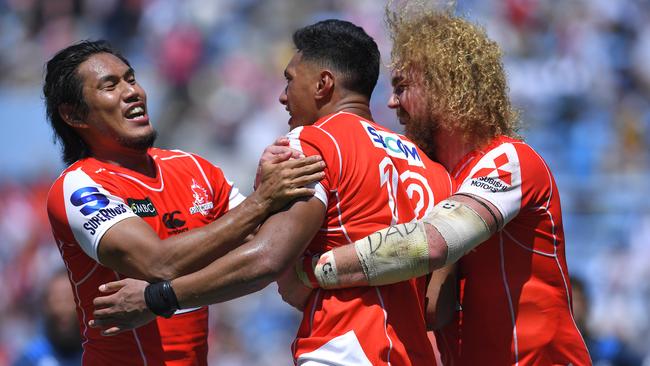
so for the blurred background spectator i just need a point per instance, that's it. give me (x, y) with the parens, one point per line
(605, 349)
(58, 342)
(578, 70)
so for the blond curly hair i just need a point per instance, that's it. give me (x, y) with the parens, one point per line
(461, 69)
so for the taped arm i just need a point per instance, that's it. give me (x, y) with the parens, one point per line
(397, 253)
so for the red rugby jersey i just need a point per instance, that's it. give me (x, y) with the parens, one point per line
(515, 295)
(374, 178)
(88, 198)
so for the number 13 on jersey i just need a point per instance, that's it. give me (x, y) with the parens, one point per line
(417, 188)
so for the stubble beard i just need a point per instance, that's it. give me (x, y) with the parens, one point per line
(142, 143)
(422, 132)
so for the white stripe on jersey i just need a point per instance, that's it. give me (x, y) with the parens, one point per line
(511, 237)
(77, 299)
(235, 198)
(383, 308)
(506, 287)
(344, 350)
(91, 210)
(159, 189)
(557, 260)
(338, 209)
(294, 143)
(483, 180)
(205, 178)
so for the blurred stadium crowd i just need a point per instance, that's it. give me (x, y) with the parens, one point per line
(578, 70)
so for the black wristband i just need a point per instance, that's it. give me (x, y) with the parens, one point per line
(161, 299)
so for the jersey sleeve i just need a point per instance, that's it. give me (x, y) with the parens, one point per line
(235, 197)
(226, 193)
(88, 210)
(313, 141)
(497, 178)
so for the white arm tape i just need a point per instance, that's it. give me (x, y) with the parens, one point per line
(401, 252)
(394, 254)
(325, 271)
(461, 227)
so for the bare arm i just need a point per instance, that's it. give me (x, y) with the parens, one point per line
(249, 268)
(405, 251)
(441, 297)
(134, 249)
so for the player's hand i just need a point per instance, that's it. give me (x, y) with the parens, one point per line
(278, 152)
(284, 181)
(122, 310)
(293, 291)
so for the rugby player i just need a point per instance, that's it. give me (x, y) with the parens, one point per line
(374, 178)
(125, 209)
(502, 226)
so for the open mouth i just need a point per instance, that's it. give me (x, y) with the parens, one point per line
(135, 113)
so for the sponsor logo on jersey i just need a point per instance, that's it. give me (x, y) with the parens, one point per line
(493, 179)
(172, 220)
(89, 199)
(202, 201)
(103, 215)
(394, 145)
(143, 207)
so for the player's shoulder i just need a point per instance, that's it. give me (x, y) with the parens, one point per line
(335, 119)
(177, 157)
(434, 167)
(505, 150)
(339, 125)
(506, 163)
(82, 174)
(527, 154)
(437, 175)
(170, 155)
(88, 167)
(320, 135)
(502, 144)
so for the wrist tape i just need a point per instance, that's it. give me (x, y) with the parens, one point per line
(161, 299)
(325, 271)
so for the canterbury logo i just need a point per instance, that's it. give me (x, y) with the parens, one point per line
(171, 222)
(503, 175)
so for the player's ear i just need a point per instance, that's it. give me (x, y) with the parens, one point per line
(325, 84)
(71, 115)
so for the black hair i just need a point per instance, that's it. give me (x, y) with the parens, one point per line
(64, 86)
(345, 48)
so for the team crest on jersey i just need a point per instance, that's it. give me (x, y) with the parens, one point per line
(202, 201)
(496, 178)
(393, 144)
